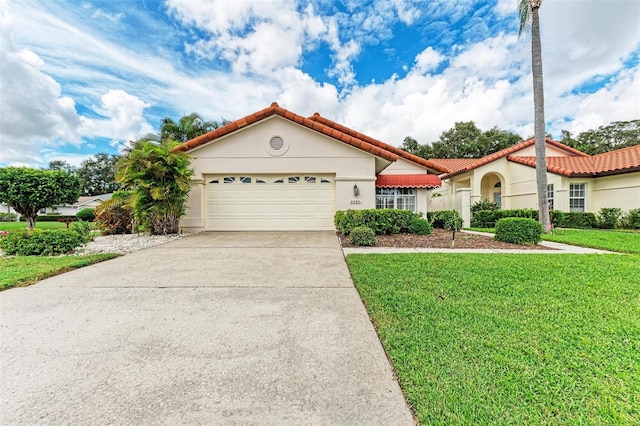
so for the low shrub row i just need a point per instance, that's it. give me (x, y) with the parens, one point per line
(606, 218)
(381, 221)
(631, 220)
(51, 217)
(47, 242)
(489, 218)
(573, 220)
(8, 217)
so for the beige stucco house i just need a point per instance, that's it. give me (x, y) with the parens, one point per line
(276, 170)
(577, 182)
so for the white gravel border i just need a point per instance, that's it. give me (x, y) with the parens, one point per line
(127, 243)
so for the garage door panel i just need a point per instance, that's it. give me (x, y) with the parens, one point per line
(259, 202)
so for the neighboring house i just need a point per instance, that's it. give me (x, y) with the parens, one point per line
(89, 202)
(577, 182)
(276, 170)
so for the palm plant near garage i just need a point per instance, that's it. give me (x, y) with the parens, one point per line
(159, 181)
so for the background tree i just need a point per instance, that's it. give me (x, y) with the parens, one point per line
(413, 147)
(29, 190)
(187, 128)
(616, 135)
(529, 18)
(464, 140)
(159, 181)
(61, 165)
(98, 174)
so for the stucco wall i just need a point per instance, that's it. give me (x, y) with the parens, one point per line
(307, 152)
(622, 191)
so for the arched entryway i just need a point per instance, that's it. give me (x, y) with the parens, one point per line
(491, 188)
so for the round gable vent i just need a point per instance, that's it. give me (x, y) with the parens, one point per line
(276, 143)
(277, 146)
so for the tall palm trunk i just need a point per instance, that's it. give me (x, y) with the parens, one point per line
(539, 122)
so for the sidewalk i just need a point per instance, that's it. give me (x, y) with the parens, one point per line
(558, 248)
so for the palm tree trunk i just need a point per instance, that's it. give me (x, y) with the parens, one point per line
(539, 122)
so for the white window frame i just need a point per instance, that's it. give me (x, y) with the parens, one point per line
(551, 196)
(397, 198)
(578, 192)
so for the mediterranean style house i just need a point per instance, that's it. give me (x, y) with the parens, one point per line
(276, 170)
(576, 182)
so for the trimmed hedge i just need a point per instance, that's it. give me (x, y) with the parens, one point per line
(362, 236)
(8, 217)
(631, 220)
(488, 218)
(48, 242)
(88, 215)
(518, 230)
(573, 220)
(51, 217)
(381, 221)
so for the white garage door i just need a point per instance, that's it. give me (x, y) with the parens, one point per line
(269, 202)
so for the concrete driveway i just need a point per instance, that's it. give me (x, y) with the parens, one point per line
(215, 328)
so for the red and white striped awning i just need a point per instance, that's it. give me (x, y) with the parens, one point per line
(408, 181)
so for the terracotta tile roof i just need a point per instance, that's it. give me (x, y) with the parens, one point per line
(453, 163)
(407, 156)
(275, 109)
(408, 181)
(609, 163)
(477, 162)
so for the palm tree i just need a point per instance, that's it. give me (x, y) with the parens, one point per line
(528, 12)
(188, 127)
(159, 181)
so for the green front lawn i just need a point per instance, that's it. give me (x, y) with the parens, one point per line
(26, 270)
(623, 241)
(6, 226)
(509, 339)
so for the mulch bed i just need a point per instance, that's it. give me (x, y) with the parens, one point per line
(442, 239)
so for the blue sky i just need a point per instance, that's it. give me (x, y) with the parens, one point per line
(78, 78)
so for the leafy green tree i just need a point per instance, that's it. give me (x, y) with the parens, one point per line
(98, 174)
(413, 147)
(187, 128)
(616, 135)
(30, 190)
(529, 18)
(464, 140)
(61, 165)
(159, 180)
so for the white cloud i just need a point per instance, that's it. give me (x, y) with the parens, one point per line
(125, 120)
(254, 37)
(33, 111)
(428, 60)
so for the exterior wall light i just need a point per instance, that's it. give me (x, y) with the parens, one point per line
(356, 190)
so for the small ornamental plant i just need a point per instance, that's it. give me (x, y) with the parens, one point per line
(362, 236)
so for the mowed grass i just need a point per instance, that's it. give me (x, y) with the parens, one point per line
(509, 339)
(26, 270)
(6, 226)
(623, 241)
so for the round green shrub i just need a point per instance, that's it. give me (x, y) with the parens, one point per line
(86, 214)
(362, 236)
(420, 227)
(518, 230)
